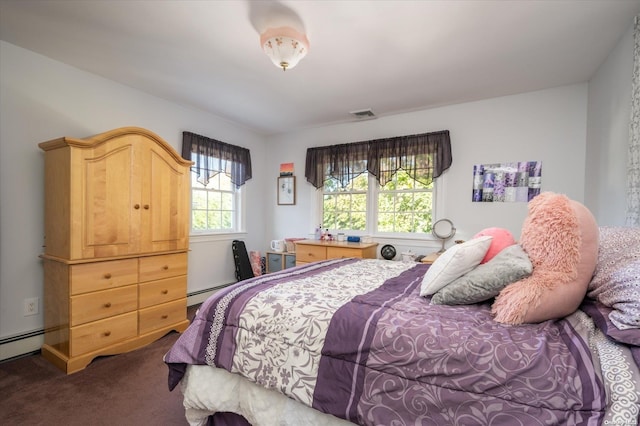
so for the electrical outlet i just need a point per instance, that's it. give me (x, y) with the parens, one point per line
(31, 306)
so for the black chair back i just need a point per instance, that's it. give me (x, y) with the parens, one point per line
(241, 259)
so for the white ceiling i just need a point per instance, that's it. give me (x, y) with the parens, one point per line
(390, 56)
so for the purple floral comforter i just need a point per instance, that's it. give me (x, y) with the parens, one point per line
(353, 338)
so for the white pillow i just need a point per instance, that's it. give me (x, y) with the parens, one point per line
(454, 263)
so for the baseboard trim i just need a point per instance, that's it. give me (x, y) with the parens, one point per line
(30, 343)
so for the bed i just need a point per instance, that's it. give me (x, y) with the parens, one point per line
(348, 341)
(543, 331)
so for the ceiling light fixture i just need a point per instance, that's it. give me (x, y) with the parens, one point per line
(284, 46)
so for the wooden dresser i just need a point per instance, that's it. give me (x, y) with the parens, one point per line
(313, 250)
(116, 242)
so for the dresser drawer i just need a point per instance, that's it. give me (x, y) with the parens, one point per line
(310, 253)
(103, 304)
(342, 252)
(161, 316)
(88, 277)
(160, 267)
(100, 334)
(162, 291)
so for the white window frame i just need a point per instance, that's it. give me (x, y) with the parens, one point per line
(238, 218)
(373, 189)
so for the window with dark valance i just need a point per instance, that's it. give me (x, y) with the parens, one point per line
(424, 157)
(211, 157)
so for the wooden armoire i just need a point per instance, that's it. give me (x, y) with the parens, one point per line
(116, 240)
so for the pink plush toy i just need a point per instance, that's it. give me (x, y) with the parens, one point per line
(502, 239)
(560, 236)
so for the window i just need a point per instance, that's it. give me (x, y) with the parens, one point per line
(345, 208)
(396, 193)
(402, 205)
(214, 206)
(218, 173)
(405, 205)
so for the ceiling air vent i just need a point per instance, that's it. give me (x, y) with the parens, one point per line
(364, 114)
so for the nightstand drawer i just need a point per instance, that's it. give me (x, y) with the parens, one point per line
(161, 316)
(103, 275)
(103, 304)
(100, 334)
(162, 291)
(160, 267)
(310, 253)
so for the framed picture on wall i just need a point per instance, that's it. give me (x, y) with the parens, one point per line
(286, 190)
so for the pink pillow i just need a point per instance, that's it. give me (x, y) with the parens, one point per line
(502, 238)
(561, 238)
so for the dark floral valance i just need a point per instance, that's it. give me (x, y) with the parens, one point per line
(211, 157)
(424, 157)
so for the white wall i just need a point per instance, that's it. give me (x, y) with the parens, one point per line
(547, 126)
(42, 99)
(609, 110)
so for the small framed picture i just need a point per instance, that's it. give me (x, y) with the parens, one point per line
(286, 190)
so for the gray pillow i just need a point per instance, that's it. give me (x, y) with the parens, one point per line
(486, 280)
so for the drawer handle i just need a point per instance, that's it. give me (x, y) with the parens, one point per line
(107, 276)
(136, 206)
(107, 305)
(146, 206)
(164, 316)
(165, 291)
(107, 333)
(165, 267)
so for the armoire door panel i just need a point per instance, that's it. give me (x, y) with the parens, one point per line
(109, 192)
(167, 206)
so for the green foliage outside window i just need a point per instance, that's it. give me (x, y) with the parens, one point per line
(212, 206)
(403, 205)
(345, 208)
